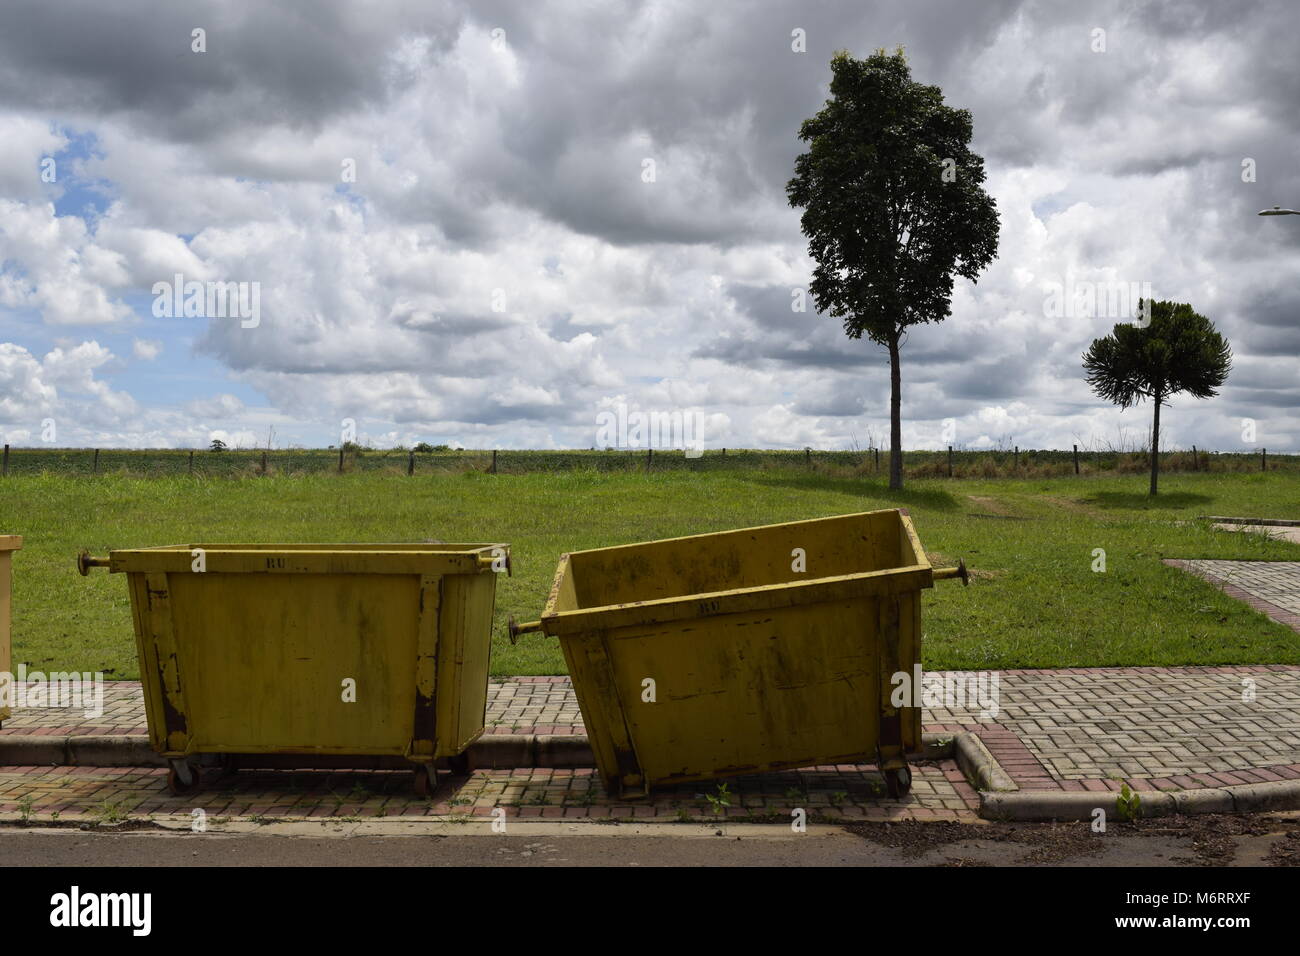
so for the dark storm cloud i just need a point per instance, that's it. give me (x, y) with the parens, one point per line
(293, 63)
(1257, 401)
(687, 91)
(988, 381)
(773, 333)
(750, 353)
(550, 138)
(837, 404)
(455, 325)
(1265, 324)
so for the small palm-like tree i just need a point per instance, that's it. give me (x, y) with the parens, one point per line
(1179, 350)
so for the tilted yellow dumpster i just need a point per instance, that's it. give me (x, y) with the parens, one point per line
(747, 651)
(317, 649)
(9, 543)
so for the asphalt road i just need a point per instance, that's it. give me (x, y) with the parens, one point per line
(900, 846)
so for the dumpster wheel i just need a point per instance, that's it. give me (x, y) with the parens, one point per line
(183, 778)
(898, 783)
(426, 780)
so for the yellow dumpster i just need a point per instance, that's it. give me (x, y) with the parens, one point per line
(746, 651)
(9, 543)
(312, 649)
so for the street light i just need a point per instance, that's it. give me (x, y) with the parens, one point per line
(1279, 211)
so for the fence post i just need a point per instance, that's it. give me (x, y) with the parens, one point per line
(1263, 459)
(410, 462)
(877, 459)
(494, 461)
(95, 467)
(1076, 459)
(6, 464)
(807, 456)
(950, 461)
(340, 459)
(1194, 468)
(1016, 465)
(649, 456)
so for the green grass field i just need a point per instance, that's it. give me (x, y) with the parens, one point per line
(1034, 603)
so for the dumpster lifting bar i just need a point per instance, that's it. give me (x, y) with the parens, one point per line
(85, 562)
(940, 574)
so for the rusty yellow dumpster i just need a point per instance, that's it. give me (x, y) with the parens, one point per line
(746, 651)
(9, 543)
(326, 650)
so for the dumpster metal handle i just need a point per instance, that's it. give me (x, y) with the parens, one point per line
(85, 562)
(486, 562)
(515, 628)
(960, 571)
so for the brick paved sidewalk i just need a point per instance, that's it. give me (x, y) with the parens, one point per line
(1077, 729)
(1270, 587)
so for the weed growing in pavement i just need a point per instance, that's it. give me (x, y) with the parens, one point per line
(720, 800)
(111, 812)
(1128, 804)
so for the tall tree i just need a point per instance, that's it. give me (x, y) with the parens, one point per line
(894, 207)
(1179, 350)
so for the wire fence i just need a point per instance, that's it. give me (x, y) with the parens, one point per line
(953, 463)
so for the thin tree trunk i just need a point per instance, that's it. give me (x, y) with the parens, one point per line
(895, 419)
(1155, 446)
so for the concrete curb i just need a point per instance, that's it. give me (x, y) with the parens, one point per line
(1043, 805)
(550, 751)
(33, 751)
(981, 770)
(111, 751)
(493, 752)
(1000, 797)
(489, 752)
(1271, 522)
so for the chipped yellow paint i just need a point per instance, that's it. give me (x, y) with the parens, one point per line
(251, 654)
(9, 543)
(756, 665)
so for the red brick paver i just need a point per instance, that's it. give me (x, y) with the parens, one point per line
(1071, 729)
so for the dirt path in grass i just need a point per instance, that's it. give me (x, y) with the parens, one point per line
(991, 508)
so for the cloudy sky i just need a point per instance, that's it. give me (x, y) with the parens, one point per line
(444, 210)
